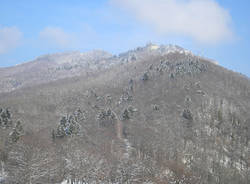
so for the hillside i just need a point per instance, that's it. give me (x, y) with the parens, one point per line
(155, 114)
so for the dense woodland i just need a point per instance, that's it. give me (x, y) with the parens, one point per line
(152, 118)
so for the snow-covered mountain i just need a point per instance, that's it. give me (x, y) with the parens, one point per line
(52, 67)
(152, 115)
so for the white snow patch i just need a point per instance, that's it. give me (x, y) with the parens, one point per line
(3, 174)
(128, 148)
(154, 47)
(69, 181)
(208, 130)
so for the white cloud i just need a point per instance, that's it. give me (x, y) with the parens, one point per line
(203, 20)
(56, 36)
(10, 38)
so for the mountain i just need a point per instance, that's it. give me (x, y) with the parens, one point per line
(52, 67)
(155, 114)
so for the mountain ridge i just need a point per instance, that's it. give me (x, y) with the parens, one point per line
(151, 118)
(56, 66)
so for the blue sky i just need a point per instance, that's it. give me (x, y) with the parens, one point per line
(216, 29)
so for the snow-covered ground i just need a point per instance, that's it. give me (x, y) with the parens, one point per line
(70, 182)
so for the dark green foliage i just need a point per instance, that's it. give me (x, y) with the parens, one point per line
(69, 125)
(219, 115)
(145, 77)
(106, 118)
(156, 107)
(67, 67)
(79, 115)
(131, 84)
(5, 118)
(133, 58)
(14, 135)
(19, 126)
(182, 67)
(126, 97)
(6, 122)
(171, 76)
(125, 114)
(151, 67)
(16, 132)
(187, 114)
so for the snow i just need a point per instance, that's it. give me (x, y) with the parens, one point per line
(128, 149)
(208, 130)
(154, 47)
(3, 174)
(68, 181)
(174, 49)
